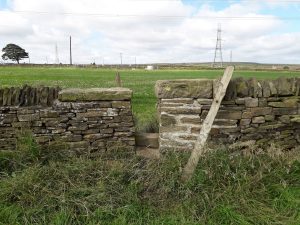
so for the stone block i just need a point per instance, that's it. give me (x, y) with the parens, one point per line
(225, 122)
(25, 111)
(107, 131)
(121, 104)
(182, 110)
(227, 114)
(149, 140)
(120, 134)
(58, 130)
(240, 101)
(262, 102)
(261, 111)
(284, 119)
(245, 122)
(48, 114)
(78, 127)
(92, 113)
(190, 119)
(266, 90)
(112, 112)
(259, 119)
(167, 120)
(197, 88)
(285, 111)
(271, 126)
(286, 103)
(1, 97)
(78, 145)
(269, 118)
(285, 86)
(6, 97)
(295, 119)
(42, 139)
(91, 131)
(247, 115)
(242, 88)
(170, 129)
(124, 118)
(255, 88)
(251, 102)
(28, 117)
(8, 119)
(94, 94)
(203, 101)
(21, 124)
(92, 137)
(230, 91)
(67, 137)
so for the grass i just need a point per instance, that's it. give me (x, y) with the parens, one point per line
(230, 186)
(140, 81)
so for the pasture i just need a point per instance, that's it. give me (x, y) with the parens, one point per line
(241, 185)
(140, 81)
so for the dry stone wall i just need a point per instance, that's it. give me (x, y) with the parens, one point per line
(82, 119)
(264, 111)
(28, 96)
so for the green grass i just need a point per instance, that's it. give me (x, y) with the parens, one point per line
(53, 186)
(140, 81)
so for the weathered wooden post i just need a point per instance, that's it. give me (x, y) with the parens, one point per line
(206, 126)
(118, 79)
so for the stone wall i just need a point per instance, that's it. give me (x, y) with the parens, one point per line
(83, 119)
(28, 96)
(264, 111)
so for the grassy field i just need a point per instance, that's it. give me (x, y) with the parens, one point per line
(140, 81)
(229, 187)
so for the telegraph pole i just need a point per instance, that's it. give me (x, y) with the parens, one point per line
(70, 50)
(56, 55)
(231, 57)
(121, 58)
(218, 59)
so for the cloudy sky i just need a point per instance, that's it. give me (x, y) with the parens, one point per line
(153, 31)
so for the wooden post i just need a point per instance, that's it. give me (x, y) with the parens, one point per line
(71, 50)
(118, 79)
(206, 126)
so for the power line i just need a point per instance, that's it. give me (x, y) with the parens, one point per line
(271, 17)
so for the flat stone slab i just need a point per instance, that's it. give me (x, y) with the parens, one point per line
(94, 94)
(184, 88)
(149, 140)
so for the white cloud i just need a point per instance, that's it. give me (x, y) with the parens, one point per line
(98, 32)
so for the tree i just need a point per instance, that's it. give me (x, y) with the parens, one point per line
(14, 53)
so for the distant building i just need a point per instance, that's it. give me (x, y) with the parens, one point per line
(149, 68)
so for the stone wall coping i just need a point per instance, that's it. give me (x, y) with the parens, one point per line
(238, 87)
(94, 94)
(184, 88)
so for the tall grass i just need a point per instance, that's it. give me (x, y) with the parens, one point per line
(230, 186)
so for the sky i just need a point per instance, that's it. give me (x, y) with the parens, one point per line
(152, 31)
